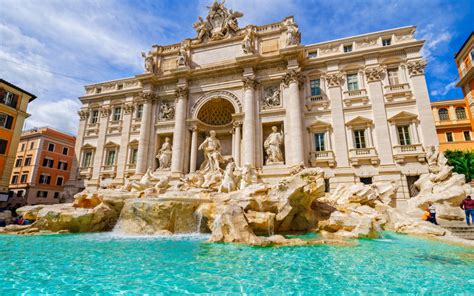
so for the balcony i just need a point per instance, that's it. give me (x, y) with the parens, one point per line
(318, 158)
(397, 90)
(317, 101)
(130, 170)
(85, 172)
(357, 156)
(405, 153)
(108, 171)
(352, 97)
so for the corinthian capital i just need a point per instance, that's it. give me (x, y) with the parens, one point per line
(293, 76)
(249, 82)
(148, 97)
(83, 114)
(374, 74)
(416, 67)
(181, 91)
(128, 108)
(105, 111)
(334, 79)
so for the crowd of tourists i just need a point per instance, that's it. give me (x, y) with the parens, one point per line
(467, 205)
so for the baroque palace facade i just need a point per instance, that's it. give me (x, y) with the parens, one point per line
(357, 107)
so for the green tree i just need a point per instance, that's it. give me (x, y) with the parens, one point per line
(462, 161)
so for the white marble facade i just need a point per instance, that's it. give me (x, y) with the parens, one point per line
(358, 106)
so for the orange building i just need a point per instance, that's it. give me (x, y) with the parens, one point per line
(464, 60)
(13, 104)
(42, 166)
(453, 125)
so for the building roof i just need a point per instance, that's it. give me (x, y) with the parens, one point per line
(464, 44)
(448, 102)
(19, 89)
(46, 130)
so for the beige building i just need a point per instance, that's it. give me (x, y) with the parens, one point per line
(357, 106)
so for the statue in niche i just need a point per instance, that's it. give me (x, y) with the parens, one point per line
(272, 97)
(272, 147)
(212, 154)
(164, 155)
(149, 65)
(182, 58)
(248, 44)
(167, 111)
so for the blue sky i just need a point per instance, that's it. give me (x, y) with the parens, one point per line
(89, 41)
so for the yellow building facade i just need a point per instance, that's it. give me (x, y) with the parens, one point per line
(453, 125)
(464, 60)
(13, 104)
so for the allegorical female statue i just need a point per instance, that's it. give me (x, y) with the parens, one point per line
(164, 155)
(272, 146)
(212, 153)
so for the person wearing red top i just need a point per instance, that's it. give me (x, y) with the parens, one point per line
(468, 206)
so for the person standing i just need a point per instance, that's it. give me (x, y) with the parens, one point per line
(468, 206)
(432, 210)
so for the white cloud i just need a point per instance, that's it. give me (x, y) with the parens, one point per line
(445, 90)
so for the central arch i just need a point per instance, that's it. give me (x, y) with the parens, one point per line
(216, 112)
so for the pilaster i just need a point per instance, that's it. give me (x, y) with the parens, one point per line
(177, 158)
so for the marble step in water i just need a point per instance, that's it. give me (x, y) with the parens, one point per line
(466, 232)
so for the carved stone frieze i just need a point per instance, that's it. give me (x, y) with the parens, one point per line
(215, 79)
(249, 82)
(334, 79)
(167, 110)
(416, 67)
(271, 97)
(374, 74)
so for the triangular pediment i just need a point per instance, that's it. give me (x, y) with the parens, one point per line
(111, 144)
(359, 120)
(319, 124)
(87, 147)
(133, 142)
(402, 116)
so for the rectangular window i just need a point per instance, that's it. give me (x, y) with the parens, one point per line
(139, 113)
(366, 181)
(65, 150)
(56, 195)
(9, 99)
(18, 162)
(86, 159)
(133, 155)
(23, 178)
(14, 179)
(313, 54)
(347, 48)
(51, 147)
(48, 162)
(327, 185)
(319, 142)
(386, 42)
(98, 90)
(393, 76)
(352, 82)
(3, 146)
(59, 181)
(28, 161)
(22, 147)
(94, 116)
(6, 121)
(44, 179)
(43, 194)
(404, 134)
(32, 145)
(315, 86)
(449, 137)
(359, 139)
(117, 113)
(467, 135)
(120, 87)
(20, 193)
(110, 159)
(62, 165)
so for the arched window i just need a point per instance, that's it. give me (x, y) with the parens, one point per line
(443, 114)
(460, 113)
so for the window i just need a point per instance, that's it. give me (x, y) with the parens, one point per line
(319, 143)
(313, 54)
(86, 159)
(449, 137)
(443, 114)
(56, 195)
(120, 86)
(62, 165)
(386, 42)
(48, 162)
(315, 86)
(51, 147)
(467, 135)
(6, 121)
(65, 150)
(404, 134)
(460, 113)
(23, 178)
(14, 179)
(22, 147)
(352, 82)
(3, 146)
(44, 179)
(393, 76)
(359, 139)
(94, 116)
(20, 193)
(347, 48)
(18, 162)
(43, 194)
(98, 90)
(59, 181)
(110, 159)
(27, 161)
(117, 113)
(133, 155)
(32, 145)
(366, 180)
(139, 113)
(9, 99)
(327, 187)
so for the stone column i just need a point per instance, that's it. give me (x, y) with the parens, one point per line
(249, 127)
(194, 147)
(337, 113)
(384, 144)
(416, 70)
(294, 117)
(179, 130)
(237, 137)
(144, 139)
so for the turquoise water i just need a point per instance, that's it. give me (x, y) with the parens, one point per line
(106, 264)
